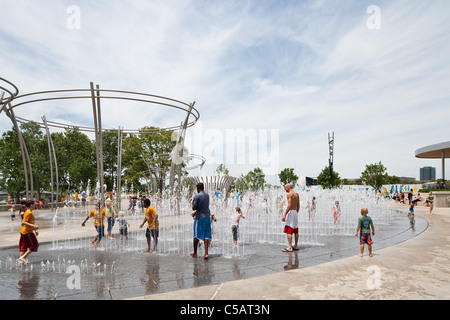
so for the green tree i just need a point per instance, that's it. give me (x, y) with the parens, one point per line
(287, 175)
(256, 179)
(110, 145)
(148, 151)
(241, 183)
(132, 161)
(324, 178)
(37, 147)
(394, 180)
(77, 161)
(375, 175)
(11, 164)
(221, 170)
(157, 148)
(12, 178)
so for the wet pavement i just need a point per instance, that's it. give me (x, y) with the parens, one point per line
(104, 275)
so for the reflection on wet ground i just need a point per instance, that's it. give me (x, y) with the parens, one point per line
(104, 275)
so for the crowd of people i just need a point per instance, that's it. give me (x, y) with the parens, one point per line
(105, 216)
(411, 200)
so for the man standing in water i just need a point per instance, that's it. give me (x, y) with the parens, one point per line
(291, 218)
(202, 222)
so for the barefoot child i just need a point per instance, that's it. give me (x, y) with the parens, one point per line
(28, 242)
(123, 225)
(12, 212)
(411, 215)
(364, 224)
(151, 217)
(99, 218)
(235, 226)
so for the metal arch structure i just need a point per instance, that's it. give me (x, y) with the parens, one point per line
(95, 95)
(10, 88)
(150, 170)
(212, 183)
(176, 165)
(104, 94)
(51, 150)
(199, 165)
(13, 91)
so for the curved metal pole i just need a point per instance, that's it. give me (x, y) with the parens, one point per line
(94, 107)
(98, 138)
(12, 95)
(100, 141)
(11, 116)
(1, 99)
(119, 167)
(179, 146)
(24, 152)
(49, 158)
(56, 171)
(194, 112)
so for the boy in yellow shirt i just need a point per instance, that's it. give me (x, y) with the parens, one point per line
(99, 217)
(151, 217)
(28, 241)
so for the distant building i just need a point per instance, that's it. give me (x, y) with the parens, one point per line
(406, 180)
(427, 173)
(307, 181)
(356, 181)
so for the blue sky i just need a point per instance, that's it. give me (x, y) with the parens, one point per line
(298, 68)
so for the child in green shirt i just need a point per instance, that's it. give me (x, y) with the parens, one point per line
(364, 224)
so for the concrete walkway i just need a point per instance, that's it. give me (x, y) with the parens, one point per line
(416, 269)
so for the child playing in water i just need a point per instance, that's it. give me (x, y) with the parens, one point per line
(411, 215)
(364, 224)
(152, 231)
(99, 217)
(28, 241)
(123, 225)
(12, 212)
(235, 227)
(336, 212)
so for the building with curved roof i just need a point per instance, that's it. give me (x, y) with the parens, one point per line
(435, 151)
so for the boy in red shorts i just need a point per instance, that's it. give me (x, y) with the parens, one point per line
(364, 224)
(28, 241)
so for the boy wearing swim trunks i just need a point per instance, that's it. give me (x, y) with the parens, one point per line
(365, 223)
(202, 222)
(28, 241)
(235, 226)
(290, 218)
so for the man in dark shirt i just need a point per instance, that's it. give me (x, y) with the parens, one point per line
(202, 222)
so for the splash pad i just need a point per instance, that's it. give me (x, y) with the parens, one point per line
(262, 224)
(120, 269)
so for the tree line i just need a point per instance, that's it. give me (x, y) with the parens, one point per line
(144, 157)
(374, 175)
(146, 152)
